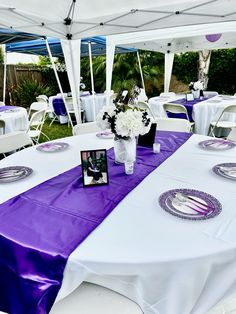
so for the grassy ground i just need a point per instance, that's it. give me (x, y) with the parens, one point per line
(55, 131)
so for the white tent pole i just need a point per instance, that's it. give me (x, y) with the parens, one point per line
(92, 78)
(110, 53)
(140, 69)
(57, 78)
(169, 60)
(4, 75)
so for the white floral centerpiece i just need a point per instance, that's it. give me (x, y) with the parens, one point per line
(196, 88)
(126, 122)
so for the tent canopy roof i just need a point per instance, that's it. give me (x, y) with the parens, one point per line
(11, 36)
(78, 19)
(38, 47)
(180, 39)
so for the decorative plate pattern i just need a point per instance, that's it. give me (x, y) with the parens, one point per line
(14, 173)
(52, 147)
(105, 134)
(217, 144)
(191, 208)
(227, 170)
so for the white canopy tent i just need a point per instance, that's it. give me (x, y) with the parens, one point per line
(174, 40)
(71, 20)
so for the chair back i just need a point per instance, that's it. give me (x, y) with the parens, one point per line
(2, 104)
(85, 128)
(13, 141)
(42, 98)
(175, 108)
(38, 106)
(230, 109)
(69, 104)
(37, 120)
(173, 124)
(142, 96)
(144, 105)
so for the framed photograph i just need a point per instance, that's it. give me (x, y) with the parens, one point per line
(189, 97)
(94, 167)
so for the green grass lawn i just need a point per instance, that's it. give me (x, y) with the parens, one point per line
(55, 131)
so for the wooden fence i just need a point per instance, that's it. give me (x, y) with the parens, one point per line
(15, 73)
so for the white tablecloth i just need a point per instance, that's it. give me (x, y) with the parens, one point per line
(203, 112)
(15, 120)
(87, 105)
(167, 265)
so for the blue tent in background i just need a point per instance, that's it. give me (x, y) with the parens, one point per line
(38, 47)
(10, 36)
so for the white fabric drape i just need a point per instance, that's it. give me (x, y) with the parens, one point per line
(71, 51)
(110, 52)
(169, 59)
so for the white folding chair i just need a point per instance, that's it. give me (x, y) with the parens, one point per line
(144, 105)
(224, 124)
(84, 128)
(2, 104)
(70, 110)
(177, 108)
(35, 125)
(173, 124)
(11, 142)
(93, 299)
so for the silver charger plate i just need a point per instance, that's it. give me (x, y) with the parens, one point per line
(105, 135)
(183, 211)
(216, 144)
(226, 170)
(52, 147)
(14, 173)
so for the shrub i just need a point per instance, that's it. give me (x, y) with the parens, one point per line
(28, 90)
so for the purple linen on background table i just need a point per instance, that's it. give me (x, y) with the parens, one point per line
(59, 106)
(40, 228)
(188, 105)
(4, 108)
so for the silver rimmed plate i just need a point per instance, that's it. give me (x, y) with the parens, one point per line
(14, 173)
(227, 170)
(197, 206)
(216, 144)
(105, 134)
(52, 147)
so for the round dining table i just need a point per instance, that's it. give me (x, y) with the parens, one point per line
(203, 112)
(166, 264)
(15, 118)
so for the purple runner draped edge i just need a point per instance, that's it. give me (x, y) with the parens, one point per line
(41, 227)
(59, 106)
(188, 105)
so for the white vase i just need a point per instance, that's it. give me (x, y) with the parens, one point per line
(196, 93)
(124, 150)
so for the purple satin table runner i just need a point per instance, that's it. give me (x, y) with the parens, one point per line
(59, 106)
(40, 228)
(188, 105)
(4, 108)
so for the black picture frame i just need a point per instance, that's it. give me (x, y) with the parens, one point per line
(94, 167)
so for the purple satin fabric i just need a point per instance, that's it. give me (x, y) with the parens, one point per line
(188, 105)
(40, 228)
(4, 108)
(59, 107)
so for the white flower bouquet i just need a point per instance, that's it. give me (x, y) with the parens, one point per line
(196, 86)
(125, 121)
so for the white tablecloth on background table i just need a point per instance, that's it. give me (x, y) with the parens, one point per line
(166, 264)
(203, 112)
(15, 120)
(87, 105)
